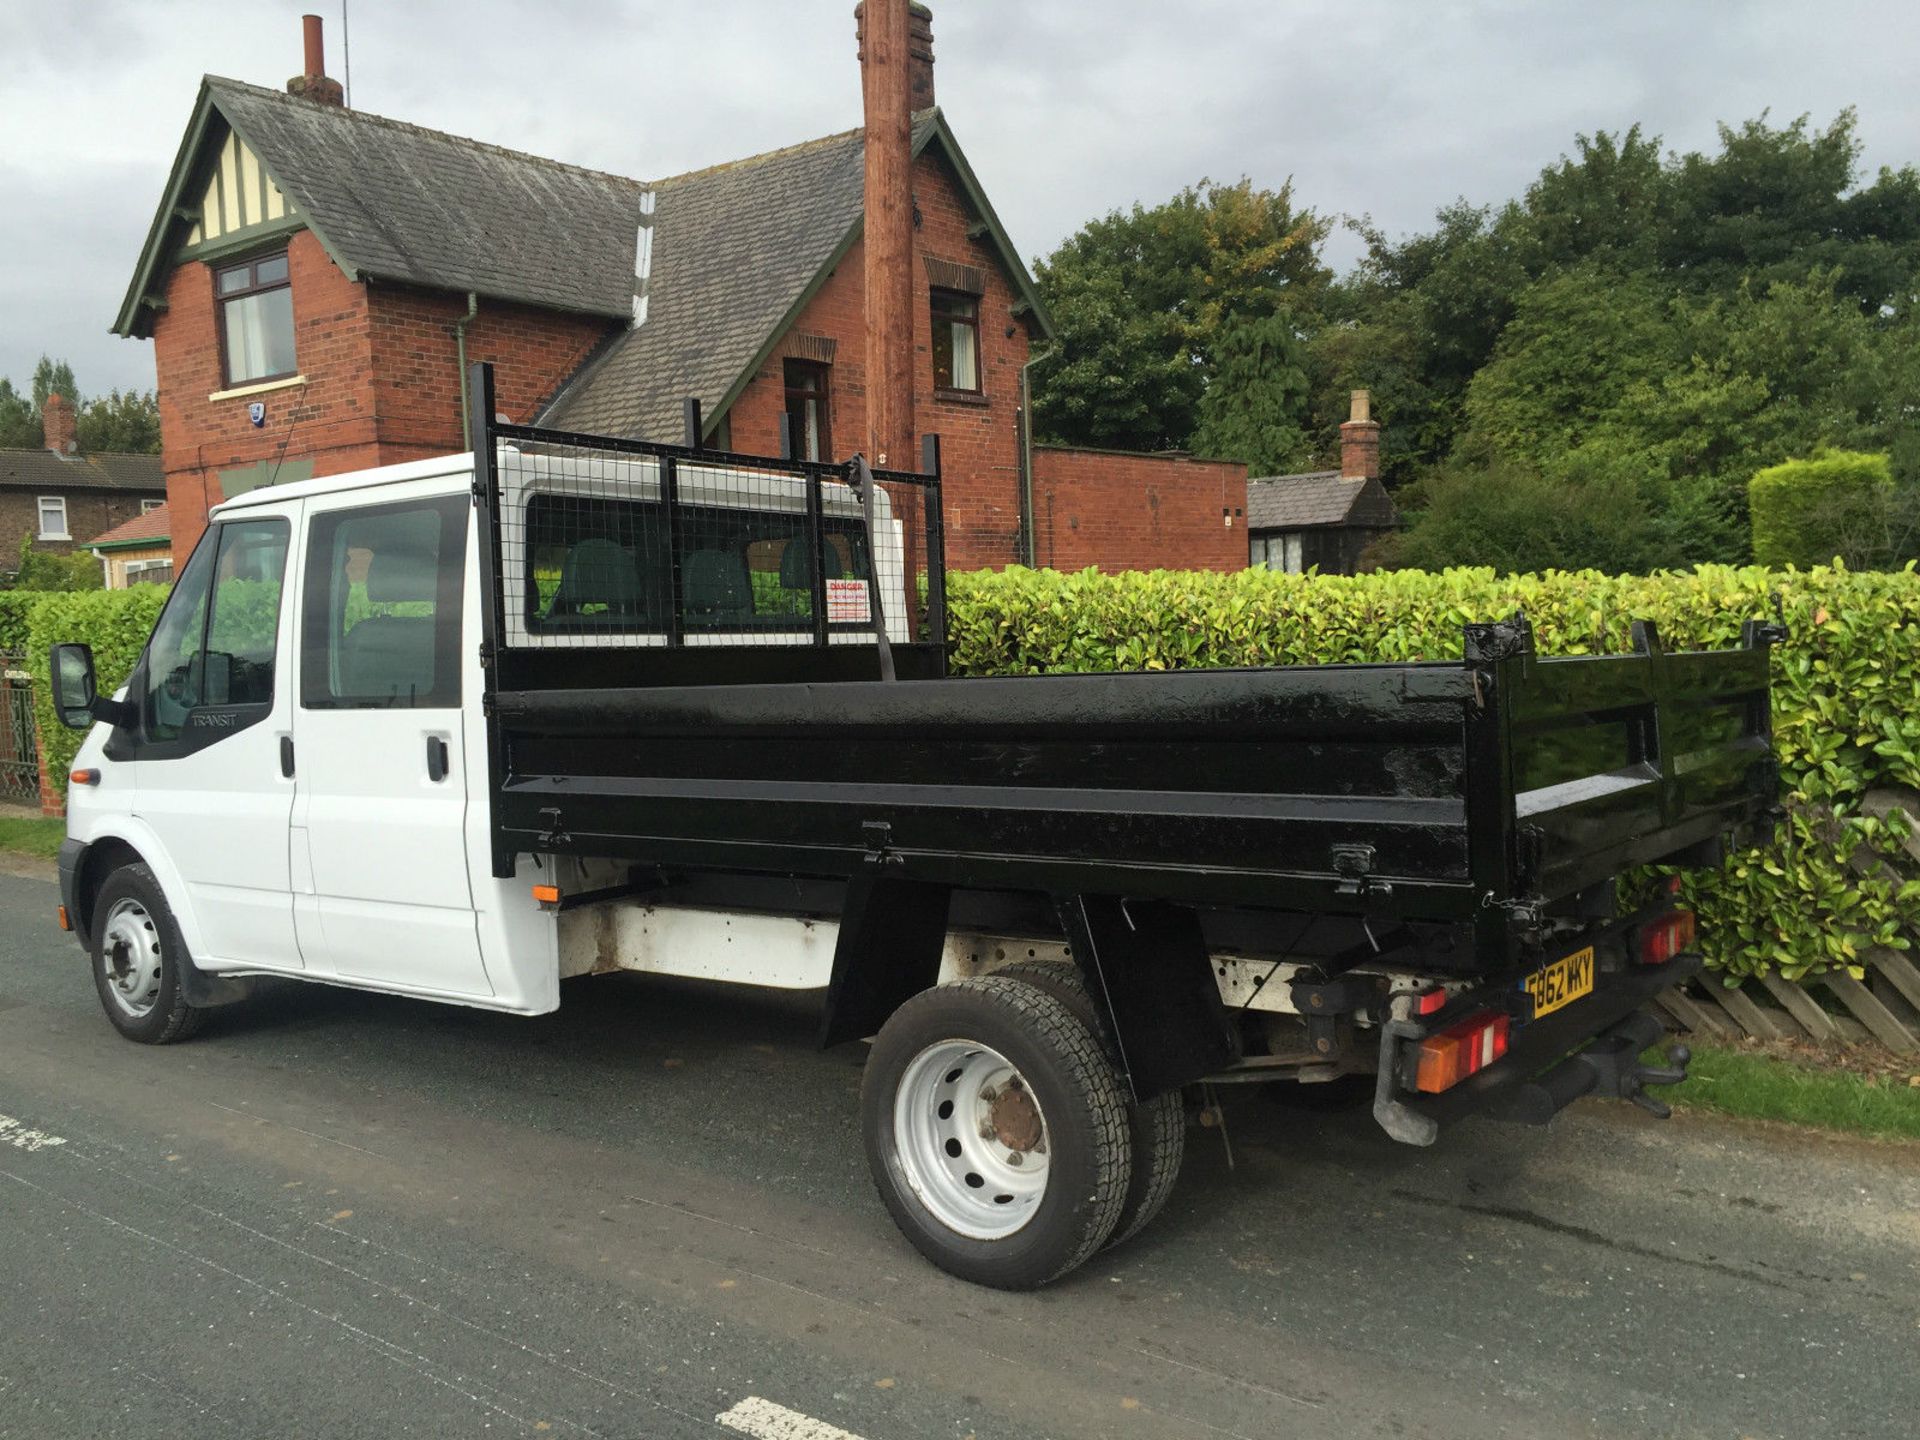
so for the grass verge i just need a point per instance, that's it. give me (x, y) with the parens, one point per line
(32, 835)
(1758, 1084)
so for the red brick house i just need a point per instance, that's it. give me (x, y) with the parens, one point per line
(315, 277)
(57, 498)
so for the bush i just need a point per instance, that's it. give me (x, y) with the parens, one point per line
(115, 623)
(1810, 512)
(41, 570)
(1846, 694)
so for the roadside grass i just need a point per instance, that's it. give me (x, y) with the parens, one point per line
(1760, 1084)
(32, 835)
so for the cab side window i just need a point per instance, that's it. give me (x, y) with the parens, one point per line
(380, 622)
(214, 645)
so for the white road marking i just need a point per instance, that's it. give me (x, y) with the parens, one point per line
(13, 1133)
(765, 1420)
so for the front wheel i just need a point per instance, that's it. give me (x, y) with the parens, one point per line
(996, 1131)
(137, 959)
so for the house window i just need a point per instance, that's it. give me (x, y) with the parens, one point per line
(149, 572)
(1280, 550)
(807, 409)
(147, 507)
(256, 319)
(956, 341)
(53, 518)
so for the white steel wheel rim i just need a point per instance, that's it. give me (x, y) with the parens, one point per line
(130, 957)
(971, 1138)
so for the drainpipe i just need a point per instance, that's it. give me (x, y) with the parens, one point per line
(460, 345)
(1026, 452)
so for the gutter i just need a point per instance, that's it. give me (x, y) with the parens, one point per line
(1026, 451)
(460, 347)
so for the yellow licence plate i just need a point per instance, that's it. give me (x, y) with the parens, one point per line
(1561, 983)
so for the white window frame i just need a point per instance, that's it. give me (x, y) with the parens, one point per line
(140, 567)
(147, 507)
(65, 532)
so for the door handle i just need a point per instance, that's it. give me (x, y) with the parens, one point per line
(436, 759)
(286, 756)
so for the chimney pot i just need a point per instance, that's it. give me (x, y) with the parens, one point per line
(919, 52)
(313, 82)
(1360, 440)
(57, 425)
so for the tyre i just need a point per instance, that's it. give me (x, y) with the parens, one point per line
(1158, 1127)
(137, 958)
(996, 1131)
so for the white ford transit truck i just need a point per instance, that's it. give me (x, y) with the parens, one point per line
(566, 705)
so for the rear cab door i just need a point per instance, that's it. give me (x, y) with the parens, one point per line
(382, 893)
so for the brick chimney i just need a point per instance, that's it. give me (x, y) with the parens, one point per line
(314, 83)
(884, 29)
(1360, 441)
(56, 425)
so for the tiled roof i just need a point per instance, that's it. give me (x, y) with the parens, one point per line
(44, 470)
(1319, 497)
(399, 202)
(735, 249)
(149, 527)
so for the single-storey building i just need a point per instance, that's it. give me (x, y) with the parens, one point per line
(139, 552)
(1324, 519)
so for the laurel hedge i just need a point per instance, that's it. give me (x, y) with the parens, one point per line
(1820, 896)
(114, 622)
(1846, 696)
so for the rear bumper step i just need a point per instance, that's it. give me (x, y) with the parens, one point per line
(1606, 1033)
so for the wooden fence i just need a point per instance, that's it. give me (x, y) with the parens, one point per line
(1829, 1009)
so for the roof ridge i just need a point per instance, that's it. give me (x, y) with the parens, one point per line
(799, 147)
(408, 127)
(79, 456)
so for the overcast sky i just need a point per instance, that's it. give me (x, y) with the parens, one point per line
(1067, 108)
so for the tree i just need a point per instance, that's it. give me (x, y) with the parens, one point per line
(1516, 519)
(126, 423)
(50, 376)
(1142, 298)
(19, 425)
(1256, 398)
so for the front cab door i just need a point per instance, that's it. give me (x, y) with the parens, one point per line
(207, 749)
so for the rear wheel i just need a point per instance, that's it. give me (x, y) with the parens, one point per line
(1158, 1126)
(137, 959)
(996, 1131)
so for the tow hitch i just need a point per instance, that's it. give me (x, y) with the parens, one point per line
(1611, 1066)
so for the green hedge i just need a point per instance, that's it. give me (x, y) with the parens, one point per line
(1846, 694)
(115, 622)
(1810, 512)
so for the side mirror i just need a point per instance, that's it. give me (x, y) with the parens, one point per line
(74, 692)
(76, 695)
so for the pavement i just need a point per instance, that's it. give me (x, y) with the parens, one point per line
(338, 1214)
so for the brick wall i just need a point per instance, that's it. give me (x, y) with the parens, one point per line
(379, 382)
(89, 513)
(1137, 512)
(979, 436)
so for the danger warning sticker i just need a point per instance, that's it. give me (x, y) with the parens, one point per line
(847, 601)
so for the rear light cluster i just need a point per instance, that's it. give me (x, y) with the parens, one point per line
(1444, 1060)
(1666, 937)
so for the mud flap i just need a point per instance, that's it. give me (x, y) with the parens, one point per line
(1146, 964)
(891, 935)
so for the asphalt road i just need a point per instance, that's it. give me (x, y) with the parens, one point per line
(343, 1215)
